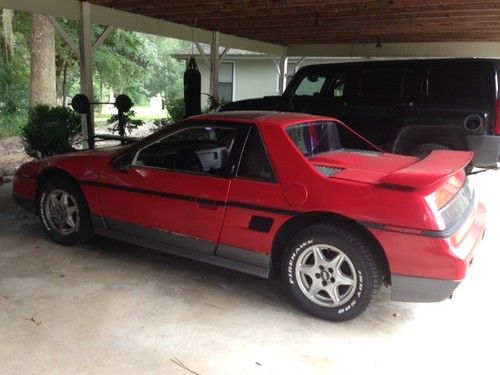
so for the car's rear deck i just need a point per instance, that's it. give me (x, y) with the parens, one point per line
(110, 307)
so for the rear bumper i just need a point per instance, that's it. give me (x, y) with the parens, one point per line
(418, 289)
(486, 150)
(427, 269)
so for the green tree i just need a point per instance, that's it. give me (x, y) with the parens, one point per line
(14, 73)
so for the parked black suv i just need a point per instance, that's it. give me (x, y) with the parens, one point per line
(404, 106)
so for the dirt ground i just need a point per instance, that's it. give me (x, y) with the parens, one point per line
(12, 155)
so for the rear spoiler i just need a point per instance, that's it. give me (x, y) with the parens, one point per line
(438, 166)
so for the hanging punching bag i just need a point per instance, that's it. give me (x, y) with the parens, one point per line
(192, 89)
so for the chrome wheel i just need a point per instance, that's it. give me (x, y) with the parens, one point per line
(326, 275)
(61, 212)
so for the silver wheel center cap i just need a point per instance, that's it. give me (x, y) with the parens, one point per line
(325, 275)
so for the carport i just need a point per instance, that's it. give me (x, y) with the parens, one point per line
(107, 307)
(356, 29)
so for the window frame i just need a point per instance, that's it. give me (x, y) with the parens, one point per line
(233, 64)
(242, 131)
(275, 179)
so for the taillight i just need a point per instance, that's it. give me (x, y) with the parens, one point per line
(497, 118)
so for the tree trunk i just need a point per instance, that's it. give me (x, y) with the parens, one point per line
(8, 34)
(43, 64)
(64, 82)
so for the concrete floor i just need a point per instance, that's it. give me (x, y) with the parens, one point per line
(108, 307)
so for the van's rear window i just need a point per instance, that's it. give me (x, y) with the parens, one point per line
(461, 84)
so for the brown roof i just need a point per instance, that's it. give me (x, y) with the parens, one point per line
(339, 21)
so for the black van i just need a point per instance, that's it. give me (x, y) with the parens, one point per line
(405, 106)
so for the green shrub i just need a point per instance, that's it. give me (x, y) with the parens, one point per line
(175, 108)
(131, 123)
(11, 124)
(162, 122)
(36, 144)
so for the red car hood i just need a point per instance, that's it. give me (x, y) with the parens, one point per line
(105, 151)
(407, 171)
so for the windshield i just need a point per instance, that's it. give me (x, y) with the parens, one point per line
(315, 137)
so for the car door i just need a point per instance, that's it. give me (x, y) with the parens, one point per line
(176, 187)
(252, 218)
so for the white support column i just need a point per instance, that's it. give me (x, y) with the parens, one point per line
(66, 37)
(224, 53)
(203, 55)
(86, 63)
(101, 38)
(283, 71)
(299, 64)
(214, 65)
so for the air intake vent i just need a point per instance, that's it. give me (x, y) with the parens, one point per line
(327, 171)
(359, 151)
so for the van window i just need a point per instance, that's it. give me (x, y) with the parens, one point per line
(381, 84)
(310, 85)
(463, 83)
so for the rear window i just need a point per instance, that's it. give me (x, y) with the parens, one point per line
(461, 84)
(315, 137)
(310, 85)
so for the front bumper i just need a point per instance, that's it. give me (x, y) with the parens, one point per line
(26, 203)
(24, 192)
(486, 150)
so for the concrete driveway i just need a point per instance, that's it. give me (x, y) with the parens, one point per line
(109, 307)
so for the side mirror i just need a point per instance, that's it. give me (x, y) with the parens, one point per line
(122, 162)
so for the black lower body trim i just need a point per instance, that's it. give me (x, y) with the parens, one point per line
(236, 259)
(27, 204)
(420, 289)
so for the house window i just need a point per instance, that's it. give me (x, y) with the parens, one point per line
(226, 81)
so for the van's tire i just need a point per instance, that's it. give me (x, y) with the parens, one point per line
(331, 272)
(64, 212)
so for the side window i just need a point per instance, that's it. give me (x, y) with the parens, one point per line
(381, 84)
(338, 87)
(199, 149)
(255, 163)
(310, 85)
(461, 84)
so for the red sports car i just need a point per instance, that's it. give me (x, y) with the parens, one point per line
(260, 192)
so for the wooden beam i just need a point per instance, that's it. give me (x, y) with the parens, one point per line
(439, 49)
(67, 8)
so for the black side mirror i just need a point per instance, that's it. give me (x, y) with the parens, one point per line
(122, 162)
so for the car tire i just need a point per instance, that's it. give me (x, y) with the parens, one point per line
(331, 272)
(64, 212)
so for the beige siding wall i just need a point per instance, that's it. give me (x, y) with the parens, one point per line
(252, 78)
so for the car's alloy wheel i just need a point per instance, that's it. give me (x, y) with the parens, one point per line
(332, 271)
(326, 275)
(64, 212)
